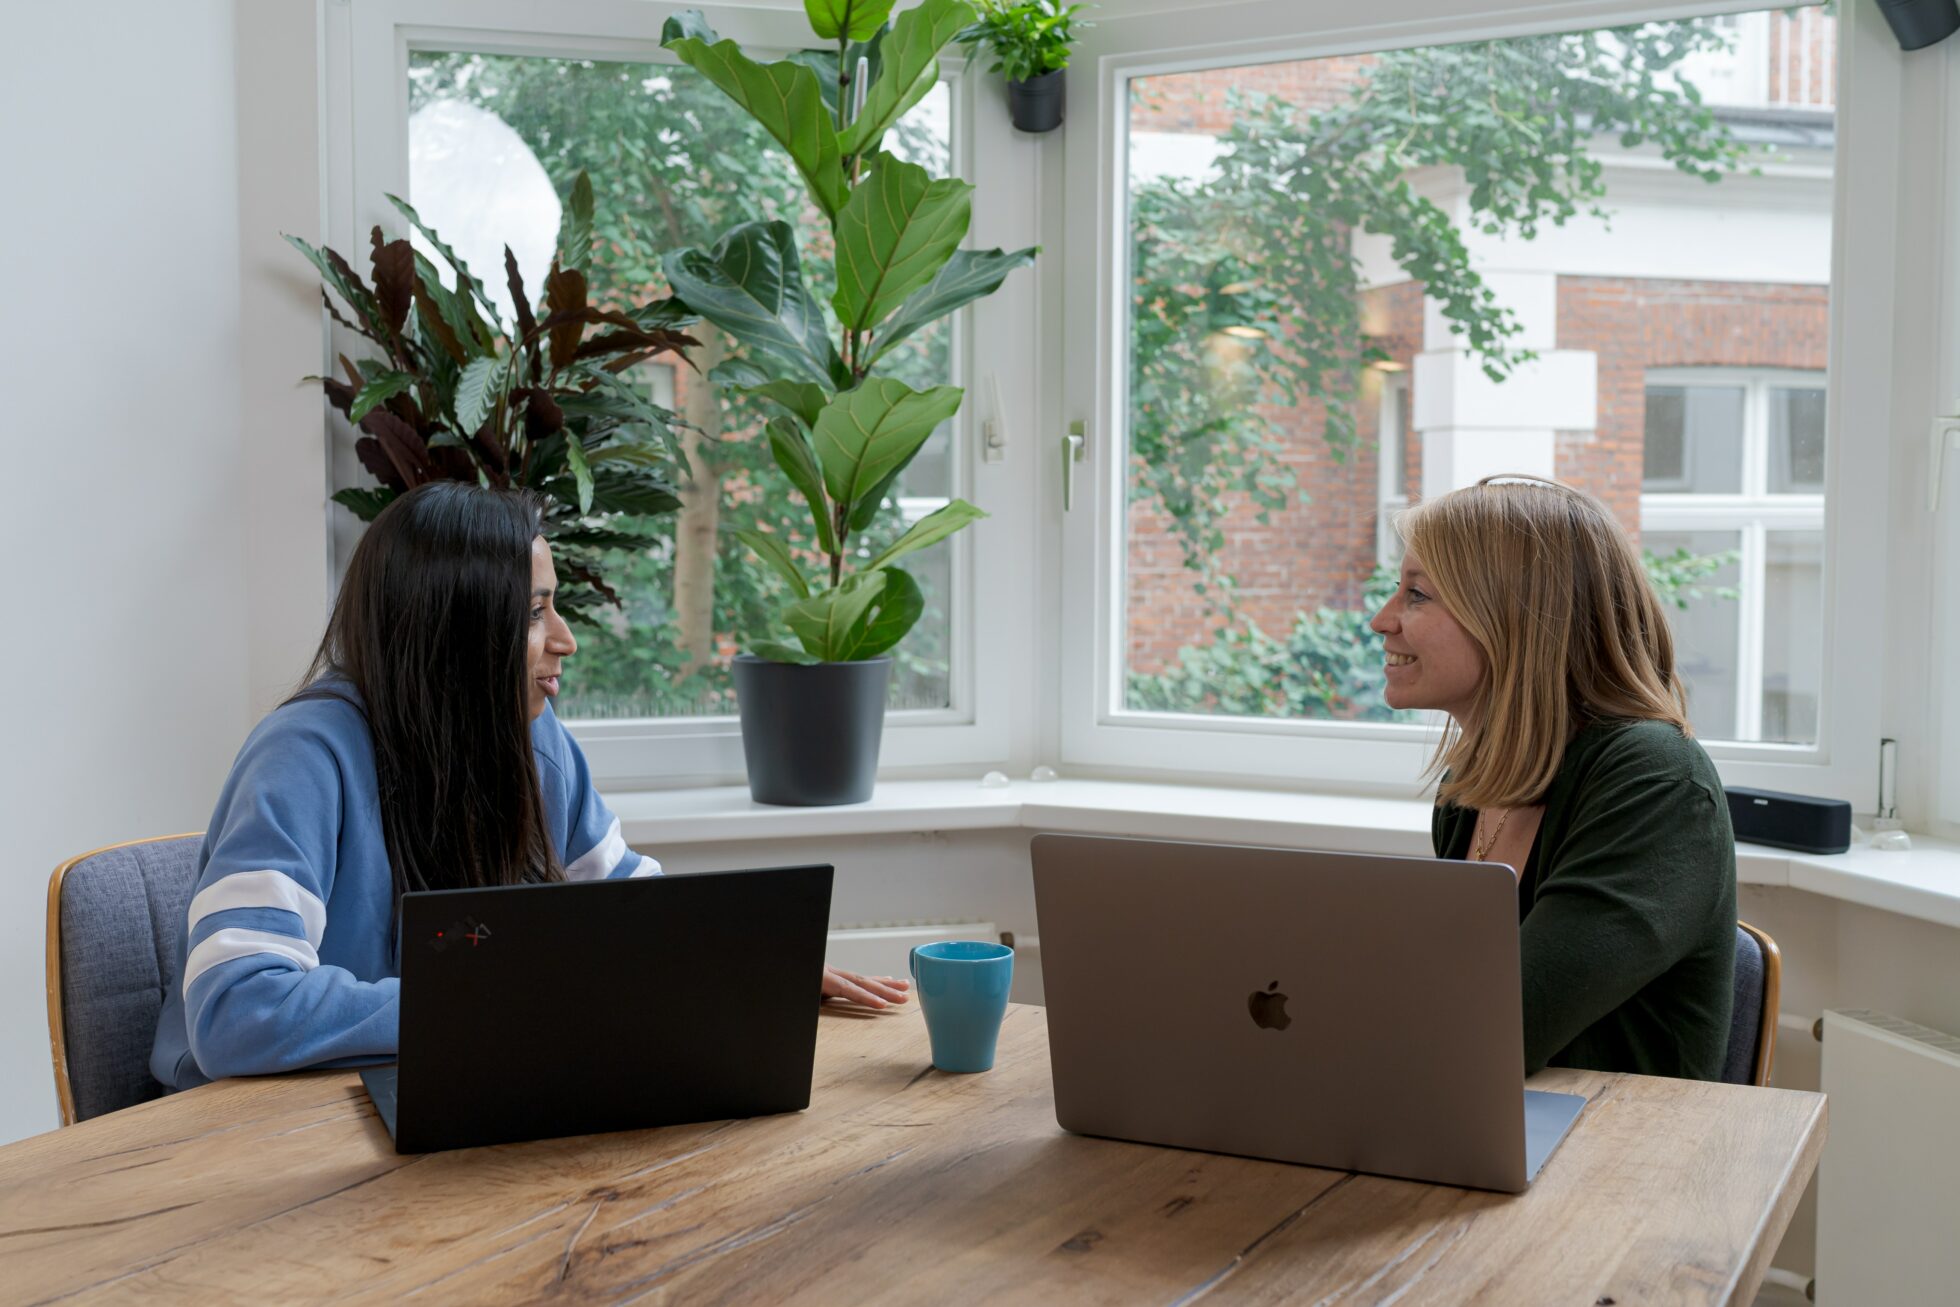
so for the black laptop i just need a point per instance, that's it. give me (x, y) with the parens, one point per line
(536, 1011)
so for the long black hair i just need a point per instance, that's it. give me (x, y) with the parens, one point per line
(430, 628)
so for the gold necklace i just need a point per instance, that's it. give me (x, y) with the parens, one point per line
(1478, 854)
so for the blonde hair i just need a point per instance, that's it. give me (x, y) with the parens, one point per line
(1552, 590)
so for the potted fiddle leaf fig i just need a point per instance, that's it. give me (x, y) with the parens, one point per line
(812, 690)
(1030, 42)
(450, 392)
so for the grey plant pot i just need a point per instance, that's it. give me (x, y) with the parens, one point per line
(1920, 23)
(810, 735)
(1036, 105)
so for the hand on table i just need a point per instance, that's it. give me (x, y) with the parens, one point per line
(865, 991)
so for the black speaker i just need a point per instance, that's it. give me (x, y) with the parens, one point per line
(1790, 821)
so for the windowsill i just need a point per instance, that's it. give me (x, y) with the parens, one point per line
(1923, 883)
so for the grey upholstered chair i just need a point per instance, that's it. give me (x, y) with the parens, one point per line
(115, 942)
(1752, 1024)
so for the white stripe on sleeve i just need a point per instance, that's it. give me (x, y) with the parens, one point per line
(226, 945)
(262, 889)
(648, 867)
(598, 862)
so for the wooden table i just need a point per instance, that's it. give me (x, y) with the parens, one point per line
(899, 1184)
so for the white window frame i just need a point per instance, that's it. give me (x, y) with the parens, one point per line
(1391, 458)
(1753, 514)
(367, 47)
(1096, 733)
(1934, 735)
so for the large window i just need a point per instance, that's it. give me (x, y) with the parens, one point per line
(1377, 256)
(1338, 296)
(495, 141)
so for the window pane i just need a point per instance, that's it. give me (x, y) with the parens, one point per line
(1302, 232)
(1793, 656)
(1796, 440)
(1694, 440)
(495, 142)
(1665, 451)
(1698, 575)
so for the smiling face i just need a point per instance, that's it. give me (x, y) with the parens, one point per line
(549, 640)
(1431, 660)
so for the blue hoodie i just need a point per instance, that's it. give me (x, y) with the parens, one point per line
(288, 949)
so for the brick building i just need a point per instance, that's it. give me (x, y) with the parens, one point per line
(1680, 371)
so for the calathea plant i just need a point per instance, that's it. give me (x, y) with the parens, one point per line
(454, 394)
(845, 433)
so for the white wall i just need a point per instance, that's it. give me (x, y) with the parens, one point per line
(128, 646)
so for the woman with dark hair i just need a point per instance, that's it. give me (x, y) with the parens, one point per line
(1525, 614)
(421, 753)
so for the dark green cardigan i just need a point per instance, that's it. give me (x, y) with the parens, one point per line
(1626, 906)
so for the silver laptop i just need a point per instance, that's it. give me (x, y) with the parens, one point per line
(1341, 1010)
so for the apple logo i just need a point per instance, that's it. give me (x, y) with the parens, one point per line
(1268, 1008)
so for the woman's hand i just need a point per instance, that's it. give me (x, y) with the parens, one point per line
(865, 991)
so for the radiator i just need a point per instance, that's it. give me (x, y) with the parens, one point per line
(1888, 1188)
(885, 950)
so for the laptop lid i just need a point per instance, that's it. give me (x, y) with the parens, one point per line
(1342, 1010)
(535, 1011)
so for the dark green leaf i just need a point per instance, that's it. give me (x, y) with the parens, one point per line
(365, 504)
(592, 537)
(896, 233)
(896, 612)
(828, 623)
(751, 286)
(775, 553)
(378, 391)
(929, 530)
(864, 435)
(793, 456)
(778, 652)
(334, 271)
(856, 19)
(581, 472)
(866, 509)
(803, 398)
(783, 97)
(575, 226)
(910, 67)
(476, 391)
(640, 495)
(737, 373)
(967, 276)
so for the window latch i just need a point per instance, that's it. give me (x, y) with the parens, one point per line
(1071, 455)
(1944, 429)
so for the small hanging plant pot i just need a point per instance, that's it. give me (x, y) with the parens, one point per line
(1036, 104)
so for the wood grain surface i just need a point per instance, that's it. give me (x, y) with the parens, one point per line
(900, 1184)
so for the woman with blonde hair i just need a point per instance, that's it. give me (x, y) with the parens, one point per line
(1525, 614)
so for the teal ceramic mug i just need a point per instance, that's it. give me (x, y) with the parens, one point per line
(962, 987)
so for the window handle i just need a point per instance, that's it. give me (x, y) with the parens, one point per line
(1944, 429)
(1071, 455)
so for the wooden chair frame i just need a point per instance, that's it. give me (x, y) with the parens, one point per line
(57, 1039)
(1772, 1000)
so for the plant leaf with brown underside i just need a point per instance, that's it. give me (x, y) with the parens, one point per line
(542, 416)
(438, 326)
(394, 281)
(527, 325)
(564, 293)
(403, 446)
